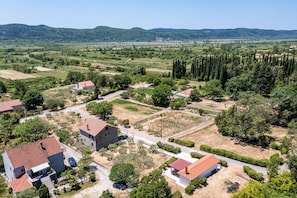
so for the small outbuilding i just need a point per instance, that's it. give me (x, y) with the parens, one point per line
(85, 85)
(178, 165)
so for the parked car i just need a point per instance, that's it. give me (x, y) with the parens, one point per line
(120, 185)
(122, 137)
(72, 162)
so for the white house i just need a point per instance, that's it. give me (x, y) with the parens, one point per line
(85, 85)
(204, 167)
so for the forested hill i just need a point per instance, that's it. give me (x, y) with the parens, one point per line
(42, 33)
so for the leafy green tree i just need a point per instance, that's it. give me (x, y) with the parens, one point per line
(30, 192)
(152, 186)
(137, 70)
(19, 89)
(161, 95)
(195, 95)
(54, 103)
(238, 84)
(74, 77)
(32, 130)
(32, 98)
(106, 194)
(121, 172)
(43, 191)
(177, 103)
(85, 161)
(2, 87)
(213, 88)
(8, 121)
(102, 81)
(292, 163)
(103, 109)
(121, 81)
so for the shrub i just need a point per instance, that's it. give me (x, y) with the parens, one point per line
(170, 139)
(168, 147)
(196, 155)
(190, 189)
(253, 174)
(232, 155)
(177, 194)
(274, 145)
(166, 164)
(223, 163)
(92, 177)
(186, 143)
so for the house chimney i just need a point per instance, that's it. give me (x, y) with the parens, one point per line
(88, 128)
(187, 172)
(41, 145)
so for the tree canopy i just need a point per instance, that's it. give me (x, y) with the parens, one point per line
(121, 172)
(32, 98)
(103, 109)
(161, 95)
(32, 130)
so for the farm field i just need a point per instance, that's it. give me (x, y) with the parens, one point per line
(14, 75)
(124, 109)
(210, 136)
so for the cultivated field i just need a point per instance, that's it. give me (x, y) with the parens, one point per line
(124, 109)
(14, 75)
(42, 69)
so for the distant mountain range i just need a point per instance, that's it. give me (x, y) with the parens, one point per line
(42, 33)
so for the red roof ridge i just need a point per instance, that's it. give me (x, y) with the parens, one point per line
(199, 167)
(93, 126)
(21, 183)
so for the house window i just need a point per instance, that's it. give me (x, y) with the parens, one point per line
(22, 170)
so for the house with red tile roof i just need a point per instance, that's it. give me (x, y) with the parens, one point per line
(203, 167)
(10, 106)
(85, 85)
(178, 165)
(97, 134)
(26, 165)
(185, 94)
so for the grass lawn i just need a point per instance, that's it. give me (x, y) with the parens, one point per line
(131, 108)
(145, 90)
(121, 102)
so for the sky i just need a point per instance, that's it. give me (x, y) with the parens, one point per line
(149, 14)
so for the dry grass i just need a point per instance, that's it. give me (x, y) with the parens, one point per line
(210, 136)
(14, 75)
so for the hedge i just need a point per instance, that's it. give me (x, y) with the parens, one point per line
(186, 143)
(195, 184)
(253, 174)
(223, 163)
(166, 164)
(232, 155)
(168, 147)
(196, 155)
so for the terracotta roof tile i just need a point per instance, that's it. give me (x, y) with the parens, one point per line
(93, 126)
(86, 83)
(186, 92)
(32, 154)
(179, 164)
(8, 105)
(199, 167)
(21, 183)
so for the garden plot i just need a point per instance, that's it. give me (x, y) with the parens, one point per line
(71, 98)
(170, 123)
(14, 75)
(124, 109)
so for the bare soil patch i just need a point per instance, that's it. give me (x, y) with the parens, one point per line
(171, 122)
(43, 69)
(210, 136)
(158, 70)
(68, 121)
(14, 75)
(212, 105)
(71, 98)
